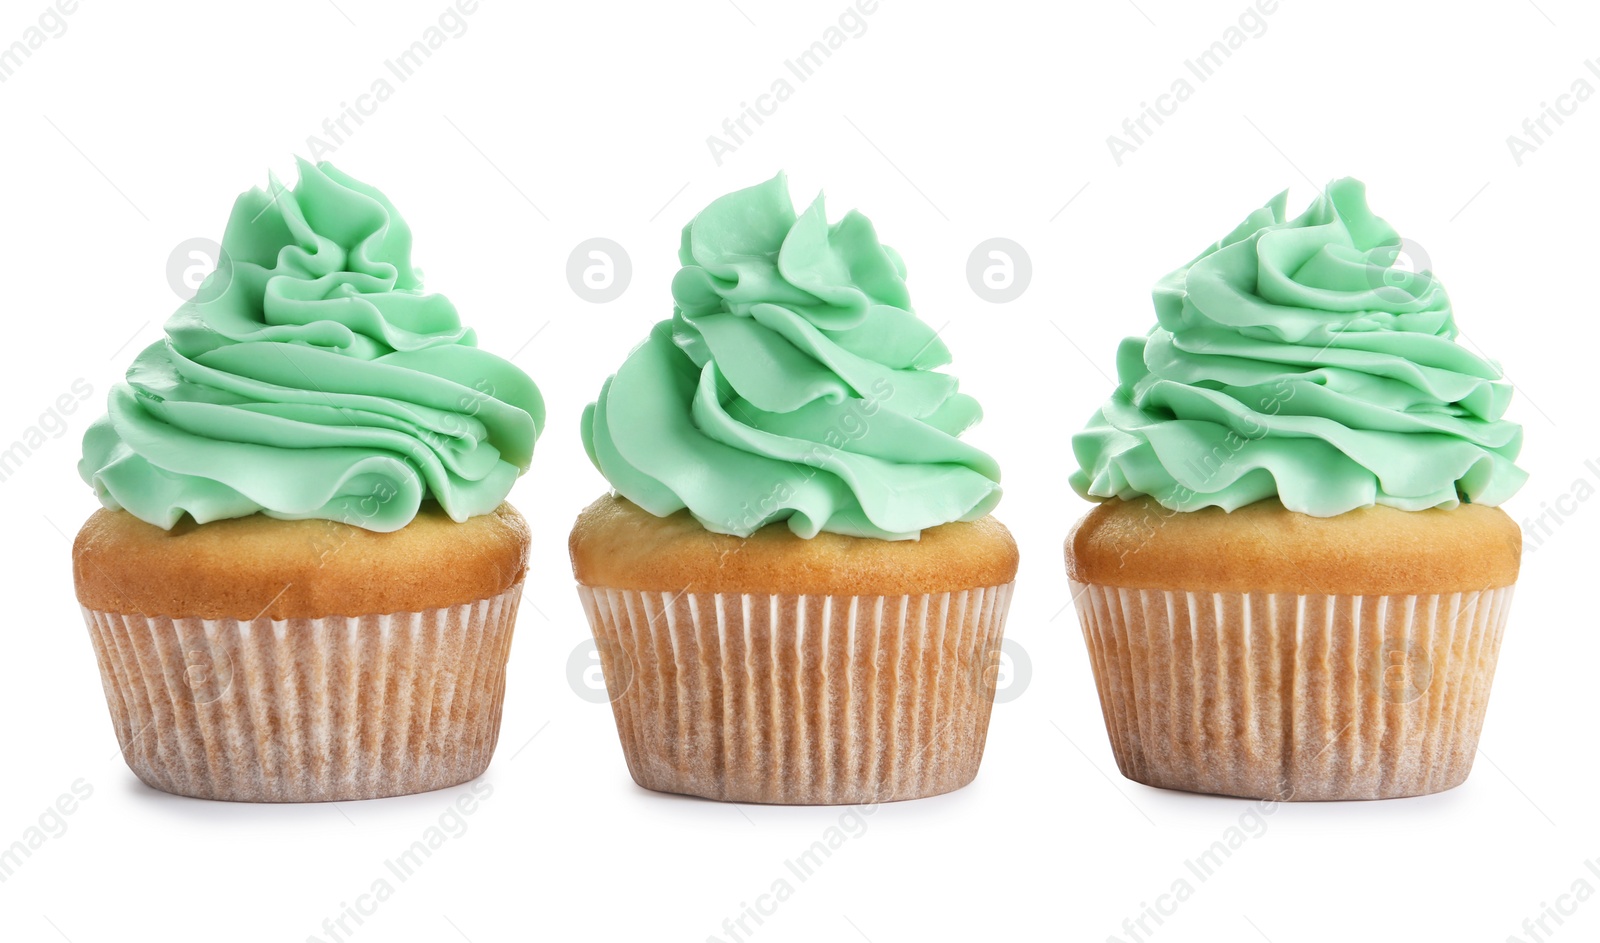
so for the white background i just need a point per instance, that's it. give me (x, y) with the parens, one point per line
(544, 125)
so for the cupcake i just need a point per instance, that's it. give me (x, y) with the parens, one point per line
(1297, 578)
(303, 582)
(795, 587)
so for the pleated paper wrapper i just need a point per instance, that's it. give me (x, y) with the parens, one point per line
(1293, 697)
(800, 699)
(307, 710)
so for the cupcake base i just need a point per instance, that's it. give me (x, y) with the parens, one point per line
(808, 699)
(307, 709)
(1292, 696)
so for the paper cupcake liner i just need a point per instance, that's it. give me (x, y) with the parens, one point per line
(1284, 696)
(307, 710)
(800, 699)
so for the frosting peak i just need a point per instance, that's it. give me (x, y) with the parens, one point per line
(792, 383)
(312, 377)
(1296, 358)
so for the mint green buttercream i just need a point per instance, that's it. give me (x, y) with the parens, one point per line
(1296, 359)
(311, 377)
(793, 383)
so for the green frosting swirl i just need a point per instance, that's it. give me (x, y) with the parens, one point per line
(311, 377)
(1294, 358)
(792, 383)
